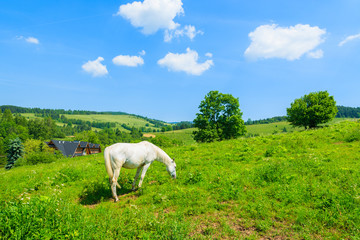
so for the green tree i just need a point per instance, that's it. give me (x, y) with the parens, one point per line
(311, 110)
(7, 116)
(15, 151)
(219, 118)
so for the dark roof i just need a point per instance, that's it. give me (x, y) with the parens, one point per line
(69, 148)
(93, 145)
(83, 144)
(66, 148)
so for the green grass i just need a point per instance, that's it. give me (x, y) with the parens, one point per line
(271, 128)
(184, 135)
(300, 185)
(131, 121)
(30, 116)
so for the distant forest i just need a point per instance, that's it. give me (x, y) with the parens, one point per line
(348, 112)
(343, 112)
(58, 115)
(55, 114)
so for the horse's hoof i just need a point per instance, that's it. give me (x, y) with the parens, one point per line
(116, 200)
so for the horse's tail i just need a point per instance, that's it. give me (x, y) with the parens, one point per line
(108, 166)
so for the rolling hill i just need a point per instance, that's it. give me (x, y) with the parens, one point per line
(299, 185)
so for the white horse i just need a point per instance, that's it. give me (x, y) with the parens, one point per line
(134, 155)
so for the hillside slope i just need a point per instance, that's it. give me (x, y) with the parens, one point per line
(300, 185)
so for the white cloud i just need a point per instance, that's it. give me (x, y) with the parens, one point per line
(152, 15)
(316, 54)
(129, 61)
(272, 41)
(32, 40)
(95, 68)
(210, 55)
(189, 31)
(142, 53)
(185, 62)
(349, 38)
(29, 39)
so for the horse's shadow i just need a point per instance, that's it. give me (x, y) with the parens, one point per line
(94, 193)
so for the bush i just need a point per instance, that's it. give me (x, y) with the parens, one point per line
(34, 158)
(163, 141)
(193, 178)
(353, 135)
(15, 151)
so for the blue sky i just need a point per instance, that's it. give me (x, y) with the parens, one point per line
(159, 58)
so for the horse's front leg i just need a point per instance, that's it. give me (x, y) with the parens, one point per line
(114, 183)
(136, 177)
(144, 169)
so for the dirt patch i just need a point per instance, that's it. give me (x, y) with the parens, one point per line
(149, 135)
(92, 206)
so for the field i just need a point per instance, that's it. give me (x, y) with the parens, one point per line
(130, 120)
(186, 136)
(299, 185)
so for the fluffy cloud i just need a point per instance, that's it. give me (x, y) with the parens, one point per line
(95, 68)
(316, 54)
(210, 55)
(349, 38)
(129, 61)
(152, 15)
(32, 40)
(29, 39)
(185, 62)
(272, 41)
(189, 31)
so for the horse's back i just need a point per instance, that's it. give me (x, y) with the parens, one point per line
(131, 155)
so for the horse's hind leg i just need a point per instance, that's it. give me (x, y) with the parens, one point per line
(114, 183)
(144, 169)
(136, 177)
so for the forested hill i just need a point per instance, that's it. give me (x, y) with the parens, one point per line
(16, 109)
(54, 113)
(343, 112)
(348, 112)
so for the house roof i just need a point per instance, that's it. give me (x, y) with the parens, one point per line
(83, 144)
(93, 145)
(67, 148)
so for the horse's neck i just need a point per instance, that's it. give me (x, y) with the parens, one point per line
(161, 156)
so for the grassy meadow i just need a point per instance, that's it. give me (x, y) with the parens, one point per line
(298, 185)
(130, 120)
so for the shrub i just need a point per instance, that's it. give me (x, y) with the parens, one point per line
(15, 151)
(193, 178)
(34, 158)
(163, 141)
(353, 135)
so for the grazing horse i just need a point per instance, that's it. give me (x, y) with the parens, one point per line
(134, 155)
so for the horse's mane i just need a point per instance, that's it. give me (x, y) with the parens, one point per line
(161, 154)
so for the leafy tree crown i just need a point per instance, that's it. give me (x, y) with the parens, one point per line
(219, 118)
(311, 110)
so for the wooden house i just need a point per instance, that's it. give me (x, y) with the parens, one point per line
(75, 148)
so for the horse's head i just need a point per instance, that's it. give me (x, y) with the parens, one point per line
(171, 168)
